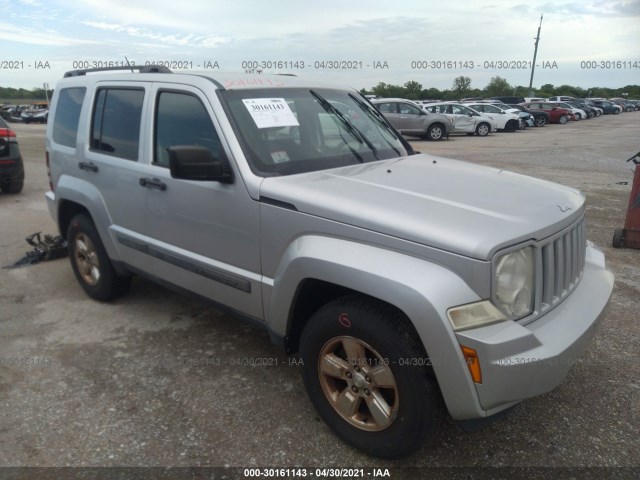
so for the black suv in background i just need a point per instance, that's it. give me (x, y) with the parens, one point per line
(509, 100)
(11, 166)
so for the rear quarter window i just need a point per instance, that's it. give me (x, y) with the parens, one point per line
(65, 123)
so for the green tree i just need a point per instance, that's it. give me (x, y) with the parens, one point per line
(413, 90)
(431, 94)
(461, 85)
(497, 86)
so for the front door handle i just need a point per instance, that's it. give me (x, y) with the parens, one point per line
(153, 183)
(88, 166)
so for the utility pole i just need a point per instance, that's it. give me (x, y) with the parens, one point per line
(533, 64)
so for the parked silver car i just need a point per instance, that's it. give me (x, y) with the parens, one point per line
(465, 119)
(401, 279)
(409, 119)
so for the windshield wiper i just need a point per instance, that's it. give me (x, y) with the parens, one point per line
(380, 120)
(355, 133)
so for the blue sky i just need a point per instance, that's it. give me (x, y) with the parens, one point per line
(447, 37)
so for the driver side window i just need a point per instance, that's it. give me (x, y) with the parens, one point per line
(182, 119)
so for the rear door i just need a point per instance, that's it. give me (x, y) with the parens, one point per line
(113, 164)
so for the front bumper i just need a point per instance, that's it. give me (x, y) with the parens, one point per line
(521, 361)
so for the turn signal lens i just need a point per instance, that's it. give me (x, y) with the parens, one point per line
(473, 363)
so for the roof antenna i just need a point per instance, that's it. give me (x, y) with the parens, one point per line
(128, 63)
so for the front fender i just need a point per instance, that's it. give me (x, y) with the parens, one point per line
(421, 289)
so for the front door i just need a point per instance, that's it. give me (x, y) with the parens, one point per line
(205, 233)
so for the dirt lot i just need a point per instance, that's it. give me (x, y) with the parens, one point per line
(131, 383)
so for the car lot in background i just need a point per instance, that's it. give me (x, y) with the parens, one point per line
(540, 117)
(37, 112)
(578, 114)
(409, 119)
(508, 122)
(608, 107)
(465, 119)
(11, 165)
(556, 114)
(161, 370)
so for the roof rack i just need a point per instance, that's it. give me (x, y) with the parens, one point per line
(140, 68)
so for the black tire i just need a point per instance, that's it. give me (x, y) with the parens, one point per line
(435, 132)
(483, 129)
(90, 262)
(577, 116)
(540, 121)
(563, 119)
(618, 238)
(381, 340)
(616, 112)
(511, 126)
(14, 185)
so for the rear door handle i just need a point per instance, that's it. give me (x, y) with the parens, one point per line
(153, 183)
(88, 166)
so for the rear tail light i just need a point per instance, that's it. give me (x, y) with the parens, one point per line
(7, 133)
(7, 137)
(46, 157)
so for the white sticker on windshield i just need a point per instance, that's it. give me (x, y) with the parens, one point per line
(270, 112)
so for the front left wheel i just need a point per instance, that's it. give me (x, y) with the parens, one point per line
(540, 121)
(483, 129)
(367, 375)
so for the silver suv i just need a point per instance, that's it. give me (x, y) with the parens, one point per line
(409, 119)
(401, 279)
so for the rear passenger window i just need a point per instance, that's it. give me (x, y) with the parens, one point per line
(65, 123)
(182, 119)
(116, 122)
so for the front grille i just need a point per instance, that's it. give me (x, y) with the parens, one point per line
(561, 265)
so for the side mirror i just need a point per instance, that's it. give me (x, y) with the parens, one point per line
(554, 109)
(192, 162)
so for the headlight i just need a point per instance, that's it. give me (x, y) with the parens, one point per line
(513, 280)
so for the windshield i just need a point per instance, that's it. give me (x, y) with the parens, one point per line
(293, 130)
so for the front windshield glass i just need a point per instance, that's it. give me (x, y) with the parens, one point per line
(284, 131)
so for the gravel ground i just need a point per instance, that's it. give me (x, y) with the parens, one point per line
(135, 382)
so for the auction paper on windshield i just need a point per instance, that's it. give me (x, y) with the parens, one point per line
(271, 112)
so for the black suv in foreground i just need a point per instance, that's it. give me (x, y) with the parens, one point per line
(11, 166)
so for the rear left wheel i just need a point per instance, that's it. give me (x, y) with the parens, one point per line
(13, 185)
(435, 132)
(90, 262)
(367, 376)
(618, 238)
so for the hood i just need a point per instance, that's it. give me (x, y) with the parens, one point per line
(447, 204)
